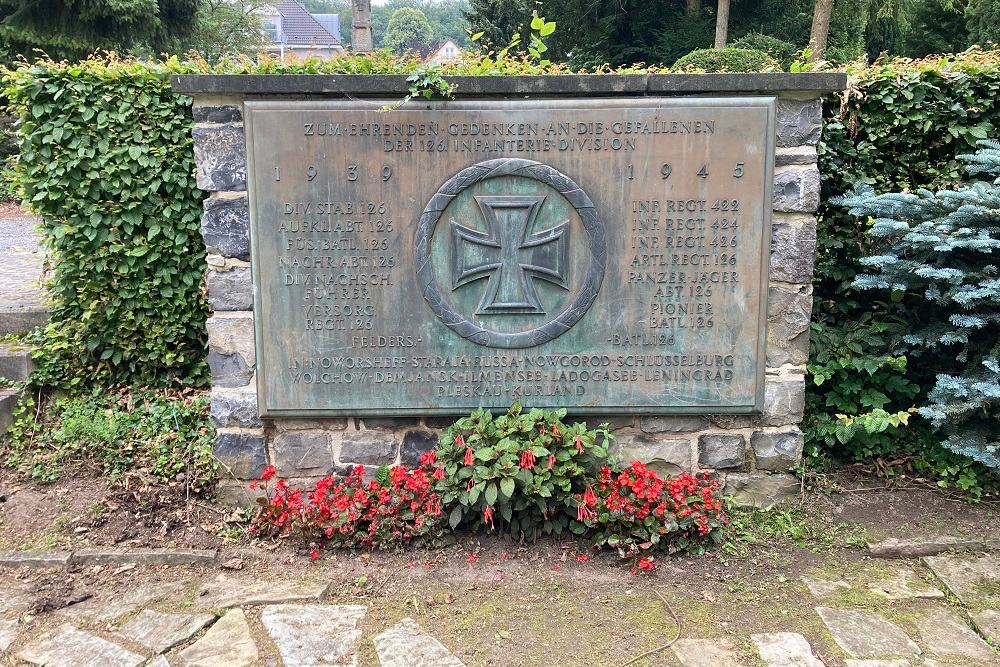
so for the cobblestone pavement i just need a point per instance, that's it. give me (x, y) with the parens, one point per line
(21, 262)
(934, 612)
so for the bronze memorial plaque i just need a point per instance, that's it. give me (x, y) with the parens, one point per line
(607, 256)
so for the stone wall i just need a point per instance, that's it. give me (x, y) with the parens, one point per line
(753, 454)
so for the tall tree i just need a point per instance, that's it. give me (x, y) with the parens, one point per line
(498, 20)
(984, 21)
(226, 28)
(75, 28)
(408, 29)
(820, 32)
(722, 24)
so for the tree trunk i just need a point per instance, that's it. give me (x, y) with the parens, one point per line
(820, 29)
(361, 26)
(693, 8)
(722, 24)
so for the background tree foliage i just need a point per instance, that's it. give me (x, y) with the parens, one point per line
(408, 30)
(75, 28)
(444, 16)
(226, 28)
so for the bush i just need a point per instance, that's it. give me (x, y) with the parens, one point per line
(782, 51)
(520, 472)
(8, 151)
(942, 250)
(149, 436)
(523, 473)
(726, 60)
(899, 128)
(106, 160)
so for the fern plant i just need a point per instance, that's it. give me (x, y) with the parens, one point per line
(944, 248)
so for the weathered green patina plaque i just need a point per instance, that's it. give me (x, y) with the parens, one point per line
(607, 256)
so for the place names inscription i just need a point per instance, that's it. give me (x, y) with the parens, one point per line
(607, 256)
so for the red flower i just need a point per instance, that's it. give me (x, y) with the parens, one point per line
(647, 564)
(583, 558)
(555, 430)
(473, 558)
(460, 440)
(428, 458)
(527, 459)
(589, 497)
(488, 515)
(584, 513)
(468, 456)
(579, 445)
(552, 461)
(269, 472)
(313, 555)
(438, 473)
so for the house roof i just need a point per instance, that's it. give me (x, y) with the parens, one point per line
(331, 22)
(301, 27)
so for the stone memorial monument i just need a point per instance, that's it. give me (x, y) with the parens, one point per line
(635, 249)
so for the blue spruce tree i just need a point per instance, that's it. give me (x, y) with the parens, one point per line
(944, 248)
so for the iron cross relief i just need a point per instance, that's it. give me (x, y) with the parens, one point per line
(509, 254)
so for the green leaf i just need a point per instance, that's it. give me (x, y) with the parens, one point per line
(491, 493)
(507, 487)
(455, 517)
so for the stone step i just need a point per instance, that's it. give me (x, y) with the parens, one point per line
(8, 401)
(15, 362)
(22, 319)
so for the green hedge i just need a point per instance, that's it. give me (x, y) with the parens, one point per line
(899, 127)
(106, 160)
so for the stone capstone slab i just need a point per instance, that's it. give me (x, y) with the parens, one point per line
(672, 424)
(86, 557)
(303, 453)
(243, 452)
(159, 632)
(665, 456)
(368, 448)
(788, 315)
(230, 290)
(945, 634)
(784, 401)
(796, 189)
(407, 645)
(234, 409)
(904, 584)
(221, 155)
(225, 226)
(706, 653)
(105, 608)
(34, 559)
(785, 649)
(762, 489)
(798, 122)
(793, 248)
(315, 634)
(974, 580)
(416, 443)
(777, 450)
(864, 634)
(70, 647)
(228, 643)
(721, 451)
(226, 591)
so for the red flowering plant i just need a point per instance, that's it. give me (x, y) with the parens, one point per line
(400, 506)
(519, 472)
(639, 513)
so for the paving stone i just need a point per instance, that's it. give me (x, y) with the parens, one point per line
(228, 643)
(70, 647)
(931, 545)
(158, 631)
(102, 609)
(946, 634)
(863, 634)
(15, 599)
(407, 645)
(706, 653)
(988, 624)
(785, 649)
(8, 633)
(313, 634)
(820, 588)
(225, 591)
(904, 584)
(975, 580)
(902, 662)
(159, 662)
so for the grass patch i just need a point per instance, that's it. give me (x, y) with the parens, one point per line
(139, 434)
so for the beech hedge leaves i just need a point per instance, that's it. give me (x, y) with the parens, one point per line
(107, 162)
